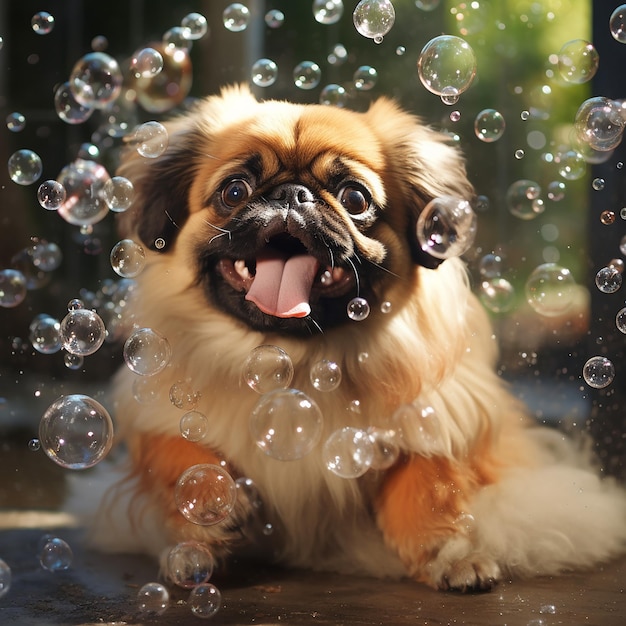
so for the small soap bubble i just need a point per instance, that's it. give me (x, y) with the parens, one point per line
(490, 266)
(153, 599)
(147, 352)
(386, 307)
(246, 488)
(82, 332)
(274, 18)
(365, 77)
(73, 361)
(497, 294)
(183, 395)
(620, 320)
(68, 108)
(599, 123)
(617, 264)
(74, 304)
(338, 55)
(608, 280)
(571, 164)
(118, 193)
(76, 431)
(189, 563)
(348, 452)
(622, 214)
(489, 125)
(25, 167)
(622, 245)
(99, 43)
(197, 25)
(194, 426)
(205, 494)
(449, 96)
(418, 426)
(556, 190)
(264, 72)
(16, 122)
(400, 51)
(524, 116)
(159, 243)
(286, 424)
(617, 23)
(205, 600)
(267, 368)
(128, 258)
(446, 227)
(268, 529)
(307, 75)
(481, 203)
(523, 199)
(598, 372)
(550, 289)
(327, 11)
(56, 555)
(147, 389)
(386, 448)
(13, 288)
(42, 23)
(146, 63)
(45, 334)
(34, 445)
(51, 195)
(519, 154)
(446, 63)
(334, 95)
(607, 217)
(151, 139)
(358, 309)
(325, 375)
(374, 18)
(547, 609)
(455, 116)
(96, 80)
(236, 17)
(578, 61)
(176, 39)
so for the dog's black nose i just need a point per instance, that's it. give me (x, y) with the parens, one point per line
(292, 195)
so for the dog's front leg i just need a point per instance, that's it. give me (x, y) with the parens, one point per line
(422, 513)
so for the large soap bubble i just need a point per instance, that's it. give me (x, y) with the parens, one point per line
(146, 352)
(599, 372)
(267, 368)
(189, 563)
(599, 123)
(374, 18)
(327, 11)
(578, 61)
(523, 199)
(82, 332)
(13, 287)
(348, 452)
(96, 80)
(550, 289)
(25, 167)
(617, 23)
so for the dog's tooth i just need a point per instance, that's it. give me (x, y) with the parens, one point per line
(242, 269)
(326, 278)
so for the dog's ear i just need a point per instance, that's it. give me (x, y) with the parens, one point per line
(161, 185)
(423, 163)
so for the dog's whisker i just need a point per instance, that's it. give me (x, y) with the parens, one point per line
(223, 231)
(356, 276)
(309, 319)
(171, 219)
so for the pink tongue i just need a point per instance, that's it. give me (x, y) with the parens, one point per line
(282, 284)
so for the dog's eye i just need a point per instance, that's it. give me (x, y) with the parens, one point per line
(354, 199)
(235, 192)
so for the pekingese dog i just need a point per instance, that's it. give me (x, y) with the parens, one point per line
(262, 221)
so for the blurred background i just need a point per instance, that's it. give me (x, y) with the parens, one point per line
(544, 195)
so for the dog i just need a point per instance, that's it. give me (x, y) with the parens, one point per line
(261, 222)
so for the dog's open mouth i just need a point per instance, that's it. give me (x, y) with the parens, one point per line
(283, 279)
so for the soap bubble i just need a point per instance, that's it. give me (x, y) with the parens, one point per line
(177, 39)
(418, 426)
(96, 80)
(617, 23)
(51, 195)
(490, 266)
(550, 289)
(571, 164)
(608, 280)
(578, 61)
(42, 23)
(358, 309)
(446, 227)
(197, 25)
(146, 352)
(325, 375)
(599, 123)
(236, 17)
(146, 62)
(598, 372)
(5, 578)
(82, 332)
(446, 65)
(83, 182)
(307, 75)
(274, 18)
(205, 494)
(45, 334)
(327, 11)
(56, 555)
(365, 78)
(620, 320)
(12, 288)
(73, 361)
(385, 446)
(386, 307)
(489, 125)
(34, 445)
(246, 488)
(264, 72)
(99, 43)
(607, 217)
(497, 294)
(25, 167)
(183, 395)
(128, 258)
(556, 190)
(286, 424)
(16, 122)
(189, 564)
(374, 18)
(523, 199)
(68, 108)
(151, 139)
(597, 184)
(205, 600)
(147, 389)
(194, 426)
(338, 55)
(348, 452)
(334, 95)
(267, 368)
(118, 192)
(153, 598)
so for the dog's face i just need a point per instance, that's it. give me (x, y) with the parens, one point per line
(288, 211)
